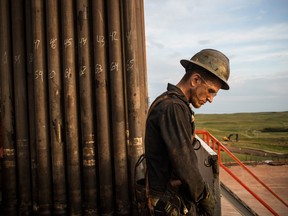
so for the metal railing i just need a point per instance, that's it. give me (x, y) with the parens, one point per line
(217, 146)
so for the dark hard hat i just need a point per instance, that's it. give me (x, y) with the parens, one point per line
(213, 61)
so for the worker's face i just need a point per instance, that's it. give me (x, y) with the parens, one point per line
(205, 91)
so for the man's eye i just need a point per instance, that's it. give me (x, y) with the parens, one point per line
(212, 92)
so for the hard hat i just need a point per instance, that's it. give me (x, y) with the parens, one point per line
(213, 61)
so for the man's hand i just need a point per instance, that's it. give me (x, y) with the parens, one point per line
(207, 204)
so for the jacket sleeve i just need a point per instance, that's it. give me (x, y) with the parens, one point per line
(175, 127)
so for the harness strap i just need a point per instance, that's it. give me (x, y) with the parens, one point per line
(150, 202)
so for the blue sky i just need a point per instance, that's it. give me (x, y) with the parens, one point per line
(252, 33)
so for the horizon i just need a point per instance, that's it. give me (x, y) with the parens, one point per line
(240, 113)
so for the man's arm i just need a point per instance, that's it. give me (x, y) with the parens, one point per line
(175, 127)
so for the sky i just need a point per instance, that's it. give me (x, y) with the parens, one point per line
(253, 34)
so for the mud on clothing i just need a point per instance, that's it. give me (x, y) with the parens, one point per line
(168, 145)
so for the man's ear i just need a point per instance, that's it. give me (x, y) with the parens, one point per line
(195, 79)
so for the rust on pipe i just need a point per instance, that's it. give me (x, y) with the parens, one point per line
(44, 186)
(71, 110)
(102, 112)
(9, 184)
(55, 107)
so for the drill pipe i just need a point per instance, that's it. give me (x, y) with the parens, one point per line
(135, 148)
(86, 109)
(141, 47)
(102, 108)
(55, 108)
(31, 107)
(41, 111)
(70, 101)
(21, 109)
(9, 184)
(118, 109)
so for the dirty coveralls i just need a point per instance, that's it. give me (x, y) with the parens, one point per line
(169, 150)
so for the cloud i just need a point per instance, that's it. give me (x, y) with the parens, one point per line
(253, 34)
(250, 94)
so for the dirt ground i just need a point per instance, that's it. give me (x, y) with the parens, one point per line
(275, 177)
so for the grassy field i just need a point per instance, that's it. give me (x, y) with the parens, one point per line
(266, 131)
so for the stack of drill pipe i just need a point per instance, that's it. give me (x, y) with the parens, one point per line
(21, 110)
(9, 184)
(86, 108)
(73, 105)
(53, 42)
(102, 109)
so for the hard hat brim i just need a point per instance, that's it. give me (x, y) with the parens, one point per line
(186, 63)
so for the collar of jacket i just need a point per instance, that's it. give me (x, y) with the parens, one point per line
(177, 91)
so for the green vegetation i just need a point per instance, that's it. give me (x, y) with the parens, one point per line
(275, 130)
(266, 131)
(245, 157)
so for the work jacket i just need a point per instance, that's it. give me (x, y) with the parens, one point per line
(168, 144)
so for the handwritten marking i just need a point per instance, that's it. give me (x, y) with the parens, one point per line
(98, 69)
(83, 41)
(68, 73)
(82, 70)
(38, 75)
(52, 74)
(113, 36)
(114, 66)
(128, 36)
(101, 40)
(17, 59)
(130, 64)
(68, 42)
(53, 43)
(36, 44)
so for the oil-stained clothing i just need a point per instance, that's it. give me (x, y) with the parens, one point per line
(168, 145)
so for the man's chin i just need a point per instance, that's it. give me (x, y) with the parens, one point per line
(196, 106)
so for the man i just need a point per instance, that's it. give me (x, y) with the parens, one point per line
(176, 186)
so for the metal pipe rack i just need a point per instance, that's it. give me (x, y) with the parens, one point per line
(73, 99)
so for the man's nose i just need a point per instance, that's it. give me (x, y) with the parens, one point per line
(210, 98)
